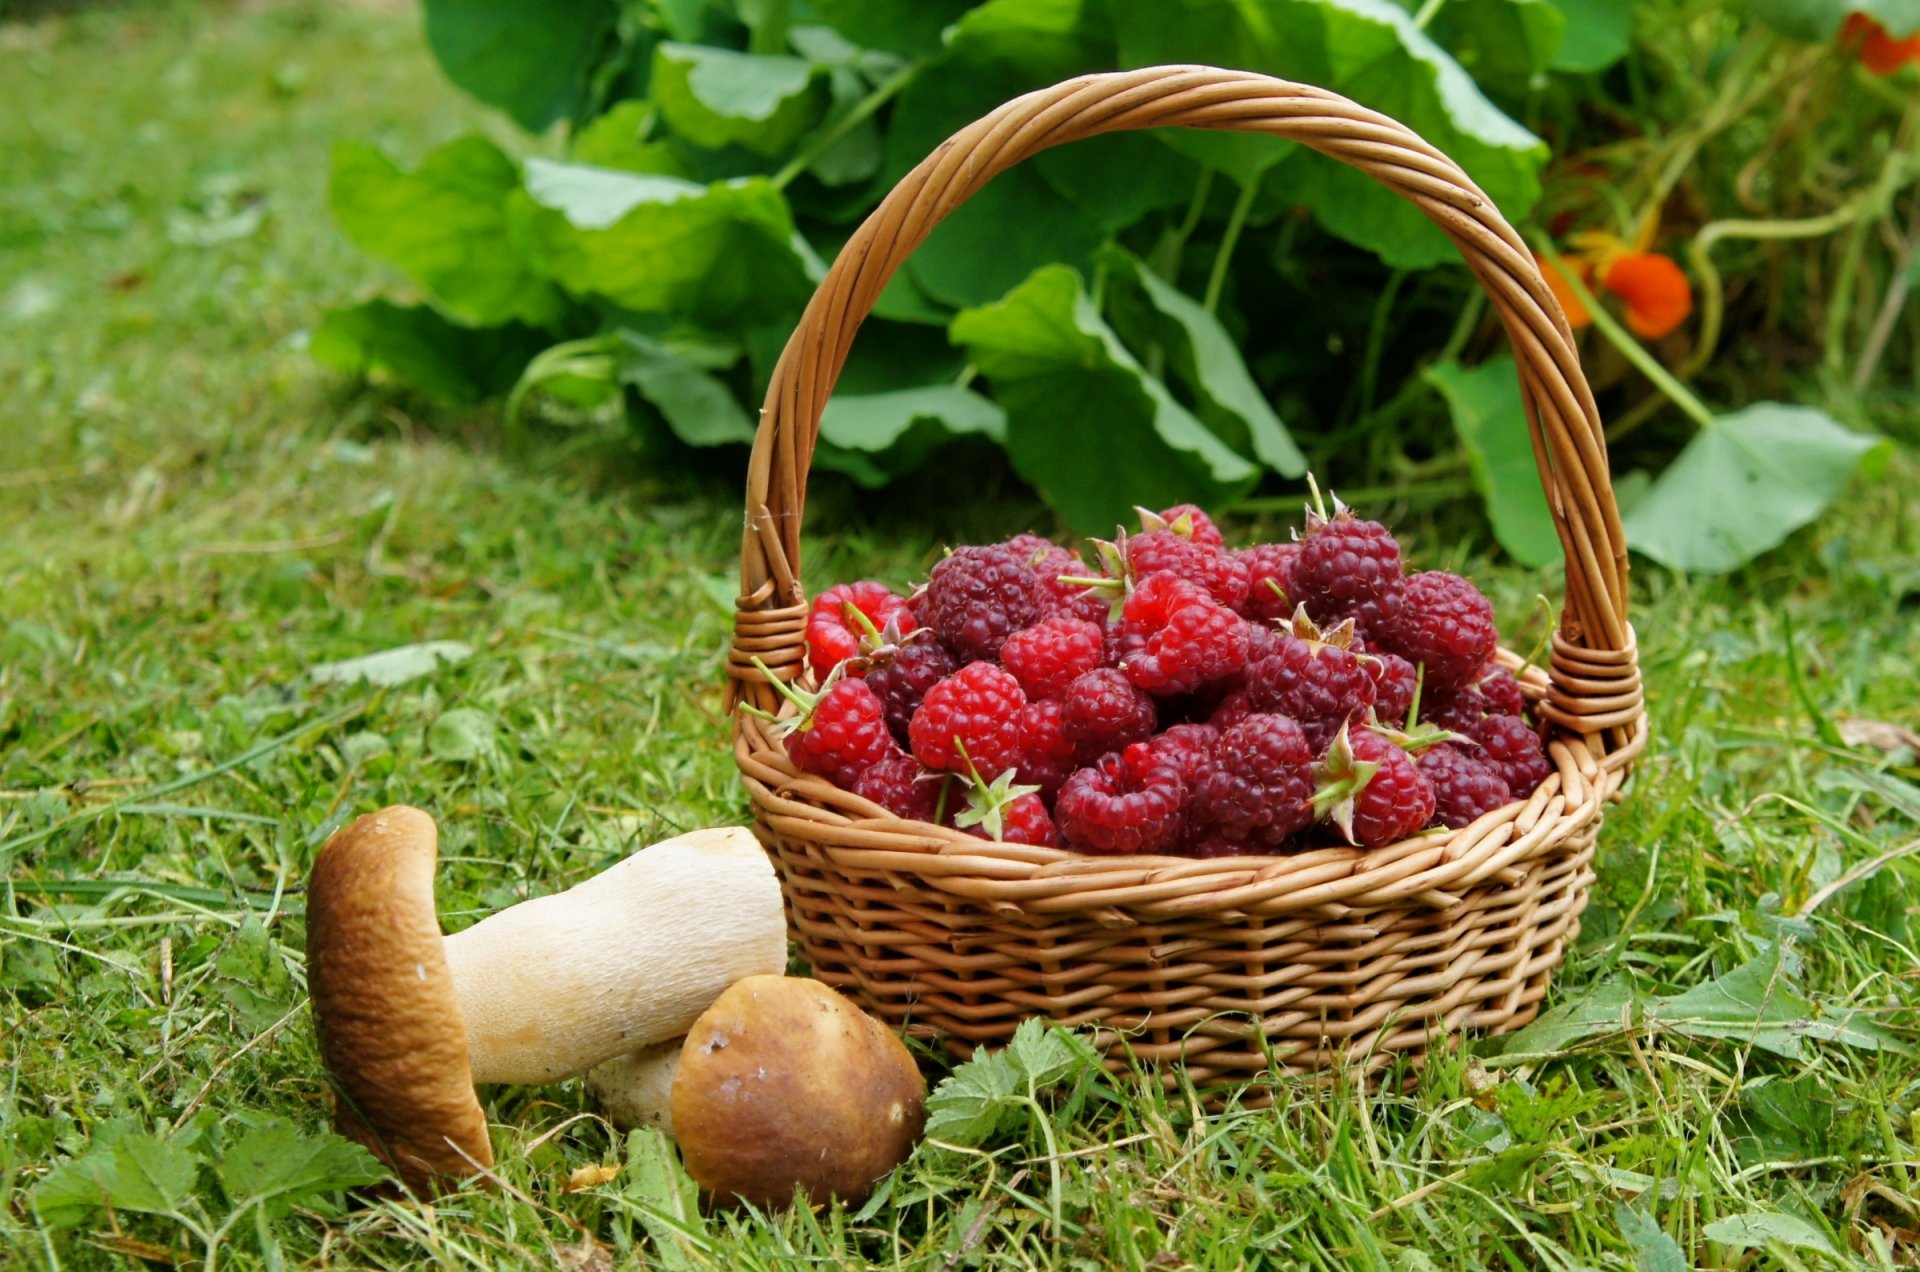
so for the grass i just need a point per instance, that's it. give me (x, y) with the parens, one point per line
(193, 516)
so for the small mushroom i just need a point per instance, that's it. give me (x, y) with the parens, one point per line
(785, 1084)
(409, 1021)
(636, 1090)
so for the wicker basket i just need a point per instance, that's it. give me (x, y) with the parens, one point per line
(1318, 958)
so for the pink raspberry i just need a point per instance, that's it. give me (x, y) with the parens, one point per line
(1270, 581)
(834, 635)
(1447, 626)
(1128, 801)
(971, 716)
(1175, 639)
(1047, 756)
(1105, 711)
(1221, 573)
(1260, 782)
(1371, 790)
(899, 785)
(840, 733)
(1049, 656)
(903, 677)
(977, 597)
(1189, 747)
(1464, 788)
(1510, 747)
(1006, 813)
(1343, 562)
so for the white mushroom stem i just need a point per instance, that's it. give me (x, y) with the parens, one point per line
(636, 1090)
(554, 986)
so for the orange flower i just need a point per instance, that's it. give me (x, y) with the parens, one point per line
(1878, 51)
(1577, 315)
(1658, 296)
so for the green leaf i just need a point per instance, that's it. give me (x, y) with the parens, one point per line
(1369, 50)
(1653, 1250)
(1598, 33)
(613, 140)
(699, 409)
(1743, 485)
(1821, 19)
(445, 224)
(1758, 1229)
(274, 1165)
(1045, 1054)
(1086, 425)
(722, 255)
(989, 1092)
(1205, 357)
(417, 346)
(465, 733)
(717, 97)
(666, 1197)
(1492, 425)
(136, 1172)
(876, 437)
(1503, 42)
(1607, 1007)
(394, 666)
(530, 58)
(910, 29)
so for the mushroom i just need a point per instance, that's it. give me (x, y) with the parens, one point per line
(636, 1090)
(785, 1084)
(409, 1021)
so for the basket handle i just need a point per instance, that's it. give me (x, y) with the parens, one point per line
(1594, 646)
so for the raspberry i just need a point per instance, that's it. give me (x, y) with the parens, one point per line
(1447, 626)
(1006, 813)
(1188, 747)
(1502, 692)
(1030, 547)
(1260, 782)
(1050, 655)
(1464, 788)
(834, 634)
(1314, 678)
(976, 598)
(903, 678)
(1187, 521)
(1076, 600)
(1210, 840)
(1105, 711)
(899, 785)
(1270, 582)
(1456, 710)
(1510, 747)
(1374, 618)
(1176, 640)
(1047, 757)
(1232, 710)
(1394, 680)
(1344, 562)
(1129, 801)
(1221, 573)
(976, 710)
(840, 733)
(1371, 790)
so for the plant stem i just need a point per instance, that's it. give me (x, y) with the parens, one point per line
(770, 37)
(1165, 260)
(862, 111)
(1427, 12)
(1236, 221)
(1891, 307)
(1377, 339)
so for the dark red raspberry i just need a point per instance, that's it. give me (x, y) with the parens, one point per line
(1105, 711)
(1344, 562)
(1371, 790)
(1209, 840)
(1315, 678)
(1270, 582)
(1006, 813)
(1187, 521)
(1375, 618)
(975, 710)
(1502, 692)
(1030, 547)
(1076, 600)
(976, 598)
(903, 678)
(834, 635)
(1129, 801)
(1047, 756)
(899, 785)
(1232, 710)
(840, 733)
(1446, 625)
(1189, 747)
(1394, 680)
(1456, 710)
(1221, 573)
(1464, 788)
(1175, 639)
(1510, 747)
(1052, 654)
(1260, 782)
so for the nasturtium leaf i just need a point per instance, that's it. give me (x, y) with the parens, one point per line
(722, 254)
(274, 1165)
(1821, 19)
(1204, 356)
(613, 140)
(1653, 1249)
(1598, 33)
(1745, 483)
(1492, 425)
(1501, 43)
(1371, 51)
(394, 666)
(1758, 1229)
(1086, 424)
(717, 97)
(858, 151)
(1043, 40)
(911, 28)
(445, 224)
(530, 58)
(699, 409)
(1119, 178)
(875, 437)
(417, 346)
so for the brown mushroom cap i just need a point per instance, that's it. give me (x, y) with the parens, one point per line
(384, 1005)
(785, 1083)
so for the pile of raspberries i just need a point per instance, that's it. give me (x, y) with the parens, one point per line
(1177, 696)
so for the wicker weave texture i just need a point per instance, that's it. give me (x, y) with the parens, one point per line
(1320, 957)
